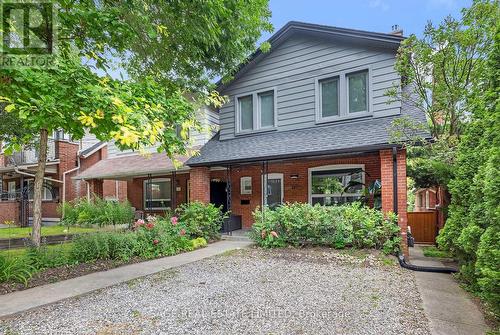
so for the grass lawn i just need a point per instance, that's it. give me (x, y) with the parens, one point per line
(19, 252)
(20, 232)
(435, 252)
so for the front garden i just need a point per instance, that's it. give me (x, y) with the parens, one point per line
(350, 225)
(189, 228)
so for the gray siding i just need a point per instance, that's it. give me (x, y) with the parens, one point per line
(293, 67)
(209, 121)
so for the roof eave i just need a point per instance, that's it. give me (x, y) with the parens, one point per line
(312, 154)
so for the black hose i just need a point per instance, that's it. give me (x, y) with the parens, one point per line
(405, 265)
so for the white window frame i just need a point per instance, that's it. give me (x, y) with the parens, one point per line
(45, 191)
(368, 81)
(256, 113)
(244, 180)
(328, 168)
(343, 95)
(272, 176)
(145, 193)
(11, 191)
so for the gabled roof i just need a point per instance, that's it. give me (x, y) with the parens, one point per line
(380, 39)
(89, 151)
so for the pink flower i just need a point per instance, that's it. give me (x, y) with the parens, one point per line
(263, 234)
(139, 222)
(155, 241)
(182, 232)
(174, 220)
(150, 226)
(274, 233)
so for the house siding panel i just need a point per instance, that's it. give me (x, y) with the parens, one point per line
(293, 68)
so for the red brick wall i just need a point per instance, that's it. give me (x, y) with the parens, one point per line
(9, 211)
(387, 189)
(135, 190)
(295, 190)
(200, 184)
(422, 205)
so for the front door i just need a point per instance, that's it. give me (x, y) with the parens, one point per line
(273, 191)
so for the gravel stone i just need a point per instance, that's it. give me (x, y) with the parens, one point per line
(252, 291)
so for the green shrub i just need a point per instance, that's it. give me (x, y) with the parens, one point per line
(15, 269)
(161, 237)
(43, 257)
(199, 242)
(96, 212)
(336, 226)
(110, 245)
(201, 220)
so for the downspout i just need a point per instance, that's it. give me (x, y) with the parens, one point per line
(64, 182)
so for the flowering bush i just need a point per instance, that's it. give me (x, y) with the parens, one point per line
(201, 220)
(337, 226)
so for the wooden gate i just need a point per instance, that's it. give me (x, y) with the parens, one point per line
(423, 226)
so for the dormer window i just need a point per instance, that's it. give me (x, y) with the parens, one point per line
(256, 111)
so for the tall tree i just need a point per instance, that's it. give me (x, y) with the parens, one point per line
(170, 49)
(443, 68)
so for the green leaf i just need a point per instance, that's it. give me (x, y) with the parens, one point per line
(10, 108)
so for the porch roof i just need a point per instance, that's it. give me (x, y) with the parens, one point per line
(132, 166)
(351, 136)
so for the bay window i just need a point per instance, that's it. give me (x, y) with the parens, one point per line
(335, 184)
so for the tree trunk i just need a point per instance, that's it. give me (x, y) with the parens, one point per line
(38, 188)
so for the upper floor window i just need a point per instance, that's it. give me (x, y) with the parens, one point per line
(256, 111)
(357, 92)
(342, 96)
(329, 97)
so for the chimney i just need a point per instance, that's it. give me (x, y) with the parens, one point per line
(396, 30)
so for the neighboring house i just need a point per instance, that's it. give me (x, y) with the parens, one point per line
(153, 184)
(17, 177)
(310, 111)
(432, 199)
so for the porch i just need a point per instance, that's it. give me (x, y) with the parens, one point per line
(248, 185)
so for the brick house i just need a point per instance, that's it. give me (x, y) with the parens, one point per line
(152, 183)
(65, 158)
(310, 111)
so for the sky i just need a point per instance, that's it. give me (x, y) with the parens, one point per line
(371, 15)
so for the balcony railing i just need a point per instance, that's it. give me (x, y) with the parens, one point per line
(30, 156)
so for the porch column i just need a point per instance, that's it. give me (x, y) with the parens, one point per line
(199, 184)
(387, 178)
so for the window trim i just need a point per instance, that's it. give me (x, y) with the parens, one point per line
(256, 113)
(242, 188)
(44, 191)
(11, 193)
(320, 96)
(368, 107)
(343, 92)
(145, 181)
(333, 167)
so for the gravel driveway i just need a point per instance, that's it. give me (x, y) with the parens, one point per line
(253, 291)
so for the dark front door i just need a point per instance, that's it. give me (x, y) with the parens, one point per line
(218, 194)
